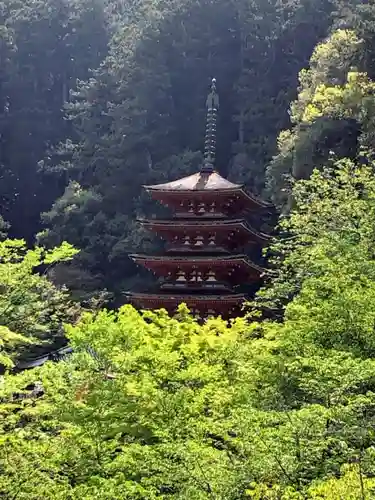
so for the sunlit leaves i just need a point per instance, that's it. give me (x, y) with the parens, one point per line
(30, 305)
(332, 113)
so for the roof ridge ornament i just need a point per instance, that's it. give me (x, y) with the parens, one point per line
(212, 104)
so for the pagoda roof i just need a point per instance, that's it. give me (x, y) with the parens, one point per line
(216, 260)
(173, 224)
(225, 259)
(201, 181)
(204, 183)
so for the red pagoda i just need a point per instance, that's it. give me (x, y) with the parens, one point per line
(204, 264)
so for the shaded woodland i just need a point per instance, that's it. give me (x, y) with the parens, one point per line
(99, 97)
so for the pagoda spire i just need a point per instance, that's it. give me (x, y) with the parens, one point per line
(212, 104)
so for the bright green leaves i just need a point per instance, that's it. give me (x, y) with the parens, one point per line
(321, 375)
(157, 407)
(15, 251)
(30, 305)
(353, 100)
(152, 407)
(327, 253)
(9, 340)
(351, 485)
(333, 113)
(63, 253)
(330, 62)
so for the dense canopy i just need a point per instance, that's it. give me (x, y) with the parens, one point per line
(99, 98)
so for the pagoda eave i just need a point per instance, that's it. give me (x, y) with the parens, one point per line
(175, 199)
(172, 227)
(184, 298)
(196, 260)
(198, 182)
(235, 200)
(251, 200)
(225, 266)
(188, 192)
(203, 304)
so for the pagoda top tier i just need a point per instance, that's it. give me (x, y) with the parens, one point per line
(207, 185)
(205, 194)
(201, 181)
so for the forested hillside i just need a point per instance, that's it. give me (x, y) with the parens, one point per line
(134, 77)
(97, 98)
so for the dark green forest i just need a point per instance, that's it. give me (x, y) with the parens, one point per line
(100, 97)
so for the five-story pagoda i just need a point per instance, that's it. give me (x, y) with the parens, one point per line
(204, 264)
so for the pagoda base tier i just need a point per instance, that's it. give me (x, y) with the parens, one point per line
(201, 305)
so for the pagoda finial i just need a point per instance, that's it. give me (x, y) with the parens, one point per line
(212, 104)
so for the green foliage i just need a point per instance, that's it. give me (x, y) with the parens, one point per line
(351, 485)
(334, 105)
(165, 408)
(330, 230)
(30, 305)
(153, 407)
(156, 407)
(133, 76)
(8, 341)
(329, 63)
